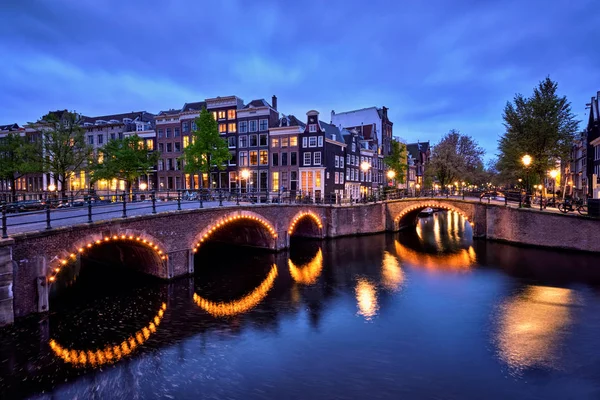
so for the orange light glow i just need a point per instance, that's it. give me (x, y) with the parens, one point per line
(308, 273)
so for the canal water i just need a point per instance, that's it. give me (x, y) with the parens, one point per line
(428, 314)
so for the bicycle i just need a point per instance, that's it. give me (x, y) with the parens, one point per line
(578, 206)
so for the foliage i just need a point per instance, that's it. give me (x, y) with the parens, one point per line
(396, 161)
(542, 126)
(207, 149)
(456, 157)
(124, 159)
(15, 158)
(62, 150)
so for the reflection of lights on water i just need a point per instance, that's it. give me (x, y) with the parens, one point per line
(532, 325)
(308, 273)
(391, 272)
(459, 261)
(241, 305)
(108, 354)
(437, 234)
(366, 298)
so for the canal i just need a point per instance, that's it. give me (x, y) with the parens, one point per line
(426, 314)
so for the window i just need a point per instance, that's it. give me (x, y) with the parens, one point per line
(253, 126)
(231, 127)
(348, 159)
(264, 157)
(312, 141)
(243, 159)
(161, 164)
(150, 144)
(113, 136)
(275, 160)
(231, 114)
(304, 142)
(317, 158)
(177, 146)
(161, 134)
(186, 141)
(318, 179)
(161, 147)
(120, 135)
(275, 142)
(221, 114)
(100, 139)
(254, 157)
(263, 139)
(353, 147)
(307, 157)
(293, 141)
(312, 128)
(243, 126)
(337, 162)
(284, 159)
(320, 141)
(263, 124)
(293, 158)
(231, 142)
(253, 140)
(214, 114)
(284, 142)
(233, 158)
(176, 132)
(169, 164)
(222, 128)
(243, 141)
(336, 177)
(264, 180)
(168, 132)
(341, 161)
(169, 147)
(185, 126)
(341, 177)
(275, 184)
(284, 180)
(90, 139)
(194, 127)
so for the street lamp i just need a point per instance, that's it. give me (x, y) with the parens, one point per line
(526, 160)
(364, 166)
(246, 175)
(418, 187)
(553, 175)
(143, 186)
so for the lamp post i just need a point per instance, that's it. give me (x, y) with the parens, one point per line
(553, 175)
(245, 175)
(526, 160)
(463, 189)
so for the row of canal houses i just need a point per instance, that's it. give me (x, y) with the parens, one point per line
(270, 151)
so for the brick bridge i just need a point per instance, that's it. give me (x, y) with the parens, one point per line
(164, 244)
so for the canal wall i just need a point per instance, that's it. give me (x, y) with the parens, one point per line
(6, 282)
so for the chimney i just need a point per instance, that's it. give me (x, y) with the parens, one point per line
(274, 102)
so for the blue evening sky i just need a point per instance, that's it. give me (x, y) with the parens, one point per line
(436, 64)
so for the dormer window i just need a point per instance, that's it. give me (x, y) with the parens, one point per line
(312, 128)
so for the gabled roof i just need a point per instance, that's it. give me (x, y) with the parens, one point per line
(168, 112)
(416, 148)
(290, 120)
(134, 115)
(331, 130)
(197, 106)
(257, 103)
(10, 127)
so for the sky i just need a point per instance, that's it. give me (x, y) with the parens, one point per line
(437, 65)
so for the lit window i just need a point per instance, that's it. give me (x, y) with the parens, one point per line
(312, 128)
(275, 184)
(253, 126)
(307, 157)
(264, 124)
(284, 142)
(317, 179)
(149, 144)
(275, 142)
(243, 126)
(231, 127)
(222, 128)
(317, 158)
(312, 141)
(254, 157)
(186, 141)
(221, 114)
(214, 114)
(231, 114)
(293, 141)
(264, 157)
(243, 141)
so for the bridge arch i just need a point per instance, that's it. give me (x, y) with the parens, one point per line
(61, 260)
(407, 217)
(306, 224)
(266, 236)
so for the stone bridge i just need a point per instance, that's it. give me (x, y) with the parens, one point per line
(164, 244)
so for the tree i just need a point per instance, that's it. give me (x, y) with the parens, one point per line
(62, 150)
(207, 149)
(125, 159)
(541, 126)
(15, 159)
(456, 157)
(396, 161)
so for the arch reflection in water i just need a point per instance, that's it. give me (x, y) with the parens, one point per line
(532, 325)
(246, 303)
(392, 274)
(444, 230)
(462, 260)
(307, 274)
(108, 354)
(366, 298)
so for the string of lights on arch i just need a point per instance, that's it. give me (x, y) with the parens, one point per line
(108, 354)
(431, 205)
(62, 262)
(303, 214)
(218, 225)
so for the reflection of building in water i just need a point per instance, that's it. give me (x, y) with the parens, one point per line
(241, 305)
(366, 298)
(308, 273)
(108, 354)
(532, 325)
(462, 260)
(392, 275)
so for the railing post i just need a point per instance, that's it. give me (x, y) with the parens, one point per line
(48, 216)
(88, 200)
(505, 200)
(153, 196)
(4, 228)
(201, 200)
(124, 206)
(220, 198)
(178, 199)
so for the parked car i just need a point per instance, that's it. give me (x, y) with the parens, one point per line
(26, 205)
(492, 195)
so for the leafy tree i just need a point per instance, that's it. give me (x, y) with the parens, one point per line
(15, 159)
(542, 126)
(62, 150)
(207, 149)
(456, 157)
(125, 159)
(396, 161)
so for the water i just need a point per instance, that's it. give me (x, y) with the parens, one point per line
(429, 314)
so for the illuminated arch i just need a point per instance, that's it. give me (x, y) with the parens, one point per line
(241, 305)
(66, 257)
(229, 218)
(308, 273)
(430, 204)
(301, 215)
(108, 354)
(460, 261)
